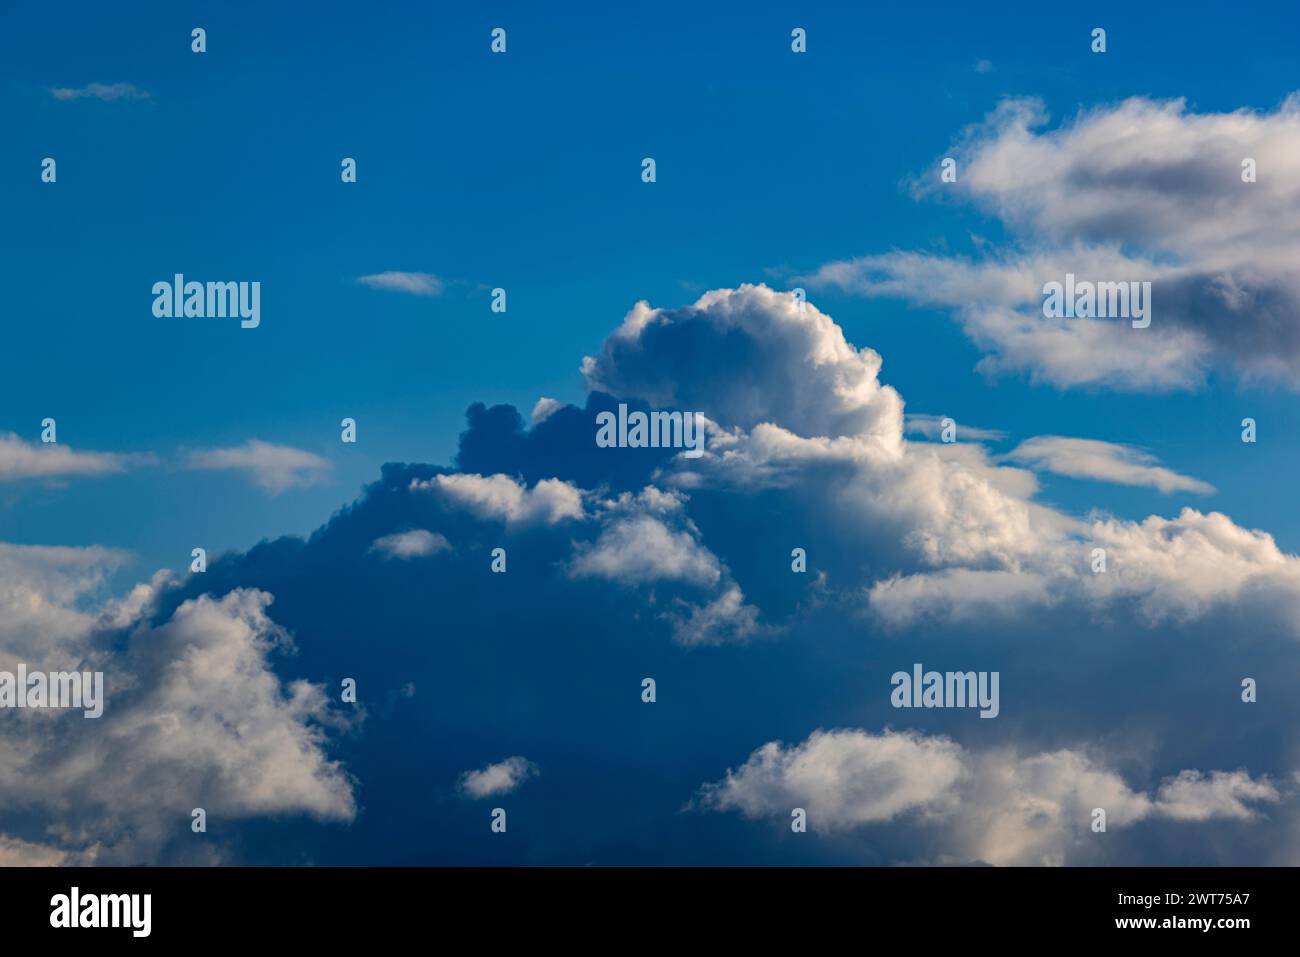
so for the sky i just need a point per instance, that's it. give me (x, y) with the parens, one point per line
(775, 171)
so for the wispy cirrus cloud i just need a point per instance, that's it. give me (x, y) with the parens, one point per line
(1103, 461)
(108, 92)
(931, 426)
(273, 467)
(20, 459)
(412, 283)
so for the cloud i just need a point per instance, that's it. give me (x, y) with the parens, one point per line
(496, 779)
(842, 778)
(931, 426)
(803, 375)
(416, 543)
(193, 716)
(623, 566)
(1103, 461)
(19, 853)
(637, 545)
(413, 283)
(501, 498)
(544, 408)
(273, 467)
(42, 591)
(23, 460)
(1167, 571)
(1142, 190)
(994, 806)
(108, 92)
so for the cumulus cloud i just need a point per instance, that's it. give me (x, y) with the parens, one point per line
(637, 545)
(1103, 461)
(995, 806)
(100, 91)
(1142, 190)
(193, 716)
(43, 592)
(801, 373)
(275, 468)
(22, 460)
(843, 778)
(501, 498)
(417, 543)
(496, 779)
(630, 553)
(412, 283)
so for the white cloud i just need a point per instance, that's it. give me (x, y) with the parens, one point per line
(843, 778)
(193, 716)
(799, 372)
(416, 543)
(957, 532)
(1193, 796)
(1103, 461)
(641, 548)
(501, 498)
(495, 779)
(1141, 190)
(15, 852)
(100, 91)
(273, 467)
(545, 408)
(413, 283)
(44, 592)
(931, 426)
(995, 806)
(22, 460)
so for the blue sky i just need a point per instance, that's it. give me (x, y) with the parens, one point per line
(522, 171)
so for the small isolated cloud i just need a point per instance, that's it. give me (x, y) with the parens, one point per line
(1103, 461)
(545, 408)
(108, 92)
(273, 467)
(20, 460)
(642, 548)
(843, 778)
(416, 543)
(500, 778)
(983, 66)
(412, 283)
(501, 497)
(931, 426)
